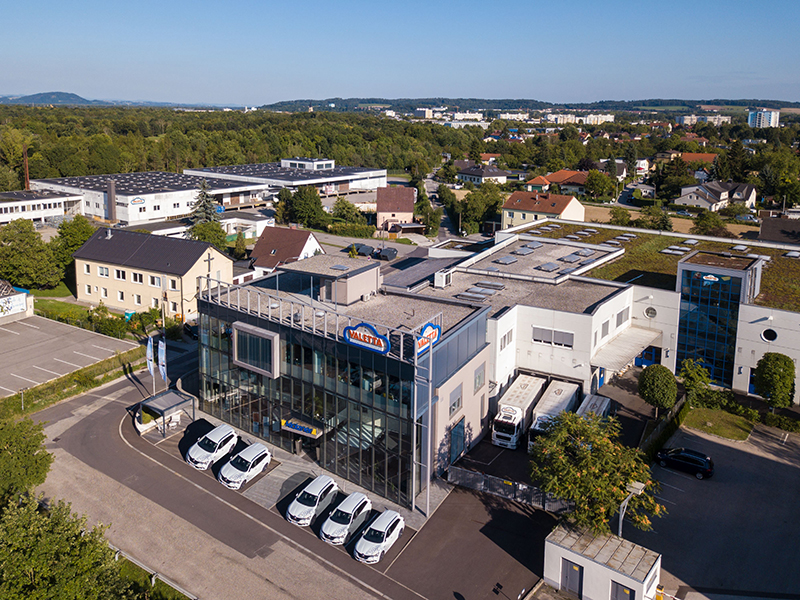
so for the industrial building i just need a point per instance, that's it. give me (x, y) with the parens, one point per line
(38, 206)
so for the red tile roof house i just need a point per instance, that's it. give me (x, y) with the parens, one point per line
(281, 245)
(395, 205)
(526, 207)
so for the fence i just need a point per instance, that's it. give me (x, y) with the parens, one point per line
(513, 490)
(662, 424)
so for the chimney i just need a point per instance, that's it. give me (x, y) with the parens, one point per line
(111, 199)
(108, 233)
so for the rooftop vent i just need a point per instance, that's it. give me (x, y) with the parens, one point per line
(471, 297)
(506, 260)
(548, 267)
(523, 251)
(491, 285)
(340, 268)
(534, 245)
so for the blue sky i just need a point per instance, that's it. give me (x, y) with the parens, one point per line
(254, 53)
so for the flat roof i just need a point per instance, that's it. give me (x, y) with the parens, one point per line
(610, 551)
(331, 265)
(712, 259)
(22, 195)
(275, 172)
(149, 182)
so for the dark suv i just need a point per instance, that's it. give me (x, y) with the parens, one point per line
(684, 459)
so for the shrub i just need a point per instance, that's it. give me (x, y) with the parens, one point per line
(781, 422)
(352, 230)
(664, 436)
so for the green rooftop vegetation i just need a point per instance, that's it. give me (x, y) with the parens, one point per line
(643, 263)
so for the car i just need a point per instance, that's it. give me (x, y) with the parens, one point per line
(244, 466)
(687, 460)
(746, 218)
(379, 537)
(346, 520)
(684, 213)
(190, 329)
(212, 446)
(312, 501)
(388, 254)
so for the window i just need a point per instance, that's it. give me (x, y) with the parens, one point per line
(102, 271)
(119, 274)
(173, 306)
(137, 299)
(510, 215)
(543, 336)
(173, 284)
(522, 216)
(506, 339)
(622, 316)
(104, 292)
(155, 281)
(650, 312)
(563, 339)
(256, 349)
(137, 278)
(605, 329)
(595, 339)
(154, 302)
(121, 296)
(156, 207)
(87, 269)
(769, 335)
(142, 209)
(176, 205)
(455, 401)
(88, 290)
(480, 378)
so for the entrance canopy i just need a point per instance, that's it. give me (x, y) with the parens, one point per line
(168, 403)
(623, 349)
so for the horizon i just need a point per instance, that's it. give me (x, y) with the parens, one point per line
(579, 52)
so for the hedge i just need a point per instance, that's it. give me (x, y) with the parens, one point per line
(671, 428)
(352, 230)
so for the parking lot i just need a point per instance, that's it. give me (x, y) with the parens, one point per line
(36, 350)
(734, 534)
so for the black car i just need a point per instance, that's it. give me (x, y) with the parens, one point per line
(684, 459)
(190, 329)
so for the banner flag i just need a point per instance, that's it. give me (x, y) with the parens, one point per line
(150, 356)
(162, 359)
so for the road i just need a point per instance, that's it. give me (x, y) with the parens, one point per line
(180, 522)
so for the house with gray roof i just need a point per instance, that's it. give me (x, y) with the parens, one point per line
(716, 195)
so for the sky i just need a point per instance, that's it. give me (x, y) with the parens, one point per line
(258, 52)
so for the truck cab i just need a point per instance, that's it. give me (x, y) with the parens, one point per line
(506, 427)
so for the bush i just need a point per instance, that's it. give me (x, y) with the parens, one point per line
(724, 400)
(671, 428)
(352, 230)
(781, 422)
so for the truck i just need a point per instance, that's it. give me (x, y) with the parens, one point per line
(558, 397)
(514, 411)
(599, 405)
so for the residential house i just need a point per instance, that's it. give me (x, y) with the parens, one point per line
(642, 167)
(698, 157)
(395, 205)
(282, 245)
(570, 182)
(538, 184)
(525, 207)
(128, 270)
(716, 195)
(479, 174)
(621, 168)
(489, 159)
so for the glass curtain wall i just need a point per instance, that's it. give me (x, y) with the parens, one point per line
(359, 399)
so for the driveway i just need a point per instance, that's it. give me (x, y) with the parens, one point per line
(734, 535)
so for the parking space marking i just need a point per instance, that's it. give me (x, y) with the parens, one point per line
(8, 331)
(86, 355)
(673, 487)
(68, 363)
(285, 538)
(25, 378)
(101, 348)
(677, 474)
(665, 500)
(8, 390)
(46, 370)
(28, 325)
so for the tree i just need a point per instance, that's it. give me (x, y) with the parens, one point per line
(24, 462)
(631, 156)
(240, 247)
(580, 459)
(54, 554)
(71, 236)
(211, 232)
(774, 379)
(597, 184)
(720, 170)
(204, 209)
(657, 387)
(710, 223)
(737, 161)
(348, 212)
(620, 216)
(695, 379)
(652, 217)
(611, 168)
(282, 206)
(306, 207)
(25, 260)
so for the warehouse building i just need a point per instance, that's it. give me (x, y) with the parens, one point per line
(38, 206)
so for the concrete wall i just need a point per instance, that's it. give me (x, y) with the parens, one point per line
(667, 312)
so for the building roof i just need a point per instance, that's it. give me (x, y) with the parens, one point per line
(487, 156)
(463, 164)
(541, 202)
(279, 245)
(331, 266)
(786, 231)
(155, 253)
(690, 157)
(483, 171)
(22, 195)
(269, 172)
(538, 180)
(561, 176)
(609, 550)
(150, 182)
(397, 199)
(712, 191)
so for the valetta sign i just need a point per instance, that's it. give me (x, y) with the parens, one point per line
(366, 336)
(429, 335)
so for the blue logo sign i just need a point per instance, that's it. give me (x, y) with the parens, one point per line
(429, 335)
(366, 336)
(220, 209)
(137, 201)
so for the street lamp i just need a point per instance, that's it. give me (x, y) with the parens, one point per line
(634, 489)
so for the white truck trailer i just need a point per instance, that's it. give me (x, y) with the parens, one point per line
(558, 397)
(599, 405)
(514, 411)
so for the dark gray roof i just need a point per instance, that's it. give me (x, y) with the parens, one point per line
(158, 253)
(785, 231)
(274, 171)
(484, 171)
(32, 195)
(151, 182)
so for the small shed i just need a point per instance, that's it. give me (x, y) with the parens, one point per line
(599, 567)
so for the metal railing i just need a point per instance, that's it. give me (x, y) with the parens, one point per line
(505, 488)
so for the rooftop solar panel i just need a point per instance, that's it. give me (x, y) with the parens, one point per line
(548, 267)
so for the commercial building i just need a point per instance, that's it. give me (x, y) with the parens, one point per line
(38, 206)
(292, 173)
(127, 270)
(758, 119)
(136, 198)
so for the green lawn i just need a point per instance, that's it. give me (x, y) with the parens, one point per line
(140, 580)
(60, 291)
(719, 422)
(73, 311)
(404, 241)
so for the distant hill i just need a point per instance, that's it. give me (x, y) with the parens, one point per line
(509, 105)
(55, 98)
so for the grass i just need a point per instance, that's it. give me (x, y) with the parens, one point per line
(64, 309)
(719, 422)
(140, 580)
(404, 241)
(60, 291)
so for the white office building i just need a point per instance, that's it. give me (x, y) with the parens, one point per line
(759, 119)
